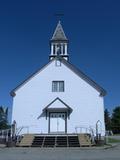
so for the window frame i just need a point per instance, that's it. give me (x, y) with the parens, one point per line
(58, 87)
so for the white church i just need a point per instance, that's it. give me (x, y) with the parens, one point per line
(58, 98)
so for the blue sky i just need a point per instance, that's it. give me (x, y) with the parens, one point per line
(92, 27)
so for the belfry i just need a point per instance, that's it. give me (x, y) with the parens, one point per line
(59, 43)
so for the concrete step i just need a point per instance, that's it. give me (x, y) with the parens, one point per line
(84, 140)
(38, 141)
(27, 140)
(31, 140)
(73, 141)
(49, 141)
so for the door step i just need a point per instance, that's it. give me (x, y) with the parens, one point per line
(84, 140)
(44, 141)
(27, 140)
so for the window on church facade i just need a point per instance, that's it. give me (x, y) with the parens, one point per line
(57, 86)
(58, 63)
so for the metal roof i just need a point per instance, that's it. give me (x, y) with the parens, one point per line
(72, 68)
(59, 33)
(67, 107)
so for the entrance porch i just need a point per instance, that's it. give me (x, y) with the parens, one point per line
(57, 113)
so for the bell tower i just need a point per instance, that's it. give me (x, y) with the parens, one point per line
(59, 43)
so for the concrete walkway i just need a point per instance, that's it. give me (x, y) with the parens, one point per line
(95, 153)
(110, 152)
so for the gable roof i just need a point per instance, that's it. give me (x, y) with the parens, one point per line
(66, 106)
(72, 68)
(52, 107)
(59, 33)
(85, 77)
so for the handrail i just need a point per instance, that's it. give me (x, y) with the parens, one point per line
(5, 134)
(83, 129)
(11, 133)
(86, 130)
(18, 130)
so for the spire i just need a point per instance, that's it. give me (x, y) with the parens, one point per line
(59, 43)
(59, 33)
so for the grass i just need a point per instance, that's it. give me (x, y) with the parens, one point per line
(112, 140)
(117, 134)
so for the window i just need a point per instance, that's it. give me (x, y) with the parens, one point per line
(57, 86)
(58, 63)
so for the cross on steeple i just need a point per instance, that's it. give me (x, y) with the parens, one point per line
(59, 43)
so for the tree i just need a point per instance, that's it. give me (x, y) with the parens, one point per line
(3, 117)
(116, 120)
(107, 120)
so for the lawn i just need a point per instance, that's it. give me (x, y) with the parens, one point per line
(112, 140)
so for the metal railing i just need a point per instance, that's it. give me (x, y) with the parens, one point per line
(5, 135)
(11, 134)
(20, 129)
(86, 130)
(82, 129)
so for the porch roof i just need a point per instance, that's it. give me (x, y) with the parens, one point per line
(62, 107)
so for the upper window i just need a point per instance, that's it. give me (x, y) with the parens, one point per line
(58, 63)
(57, 86)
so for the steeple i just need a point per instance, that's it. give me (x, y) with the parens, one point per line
(59, 43)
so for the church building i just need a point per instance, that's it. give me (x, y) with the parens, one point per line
(58, 98)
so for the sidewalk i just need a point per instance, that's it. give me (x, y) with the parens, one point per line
(2, 145)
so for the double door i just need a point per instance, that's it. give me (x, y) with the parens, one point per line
(57, 122)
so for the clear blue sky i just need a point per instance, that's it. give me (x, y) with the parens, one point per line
(92, 27)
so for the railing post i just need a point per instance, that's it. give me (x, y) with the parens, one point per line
(6, 136)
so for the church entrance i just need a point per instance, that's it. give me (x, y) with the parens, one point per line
(57, 122)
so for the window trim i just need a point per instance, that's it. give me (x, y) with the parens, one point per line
(58, 86)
